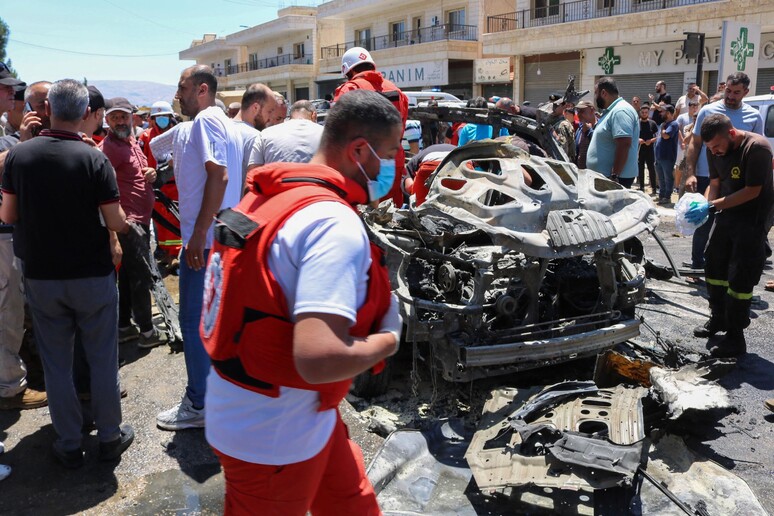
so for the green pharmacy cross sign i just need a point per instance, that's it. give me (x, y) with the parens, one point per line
(609, 60)
(741, 49)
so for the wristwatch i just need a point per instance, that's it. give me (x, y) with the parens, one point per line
(613, 177)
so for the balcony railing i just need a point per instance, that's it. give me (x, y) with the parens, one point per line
(577, 11)
(268, 62)
(401, 39)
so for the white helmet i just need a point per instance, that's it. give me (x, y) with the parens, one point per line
(353, 57)
(161, 108)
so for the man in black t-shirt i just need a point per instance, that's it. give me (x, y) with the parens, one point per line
(662, 99)
(58, 191)
(741, 193)
(645, 156)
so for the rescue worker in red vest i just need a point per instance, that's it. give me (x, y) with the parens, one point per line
(359, 68)
(317, 313)
(165, 224)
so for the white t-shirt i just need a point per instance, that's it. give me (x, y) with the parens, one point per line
(250, 135)
(294, 141)
(213, 138)
(320, 259)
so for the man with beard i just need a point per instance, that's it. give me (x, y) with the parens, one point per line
(295, 141)
(303, 305)
(213, 152)
(258, 109)
(744, 118)
(70, 290)
(610, 152)
(657, 104)
(741, 194)
(134, 178)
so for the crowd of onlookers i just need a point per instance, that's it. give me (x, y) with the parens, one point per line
(116, 181)
(128, 180)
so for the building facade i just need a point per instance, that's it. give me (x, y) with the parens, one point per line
(524, 49)
(417, 46)
(638, 42)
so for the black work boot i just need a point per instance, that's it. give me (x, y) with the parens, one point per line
(732, 345)
(712, 326)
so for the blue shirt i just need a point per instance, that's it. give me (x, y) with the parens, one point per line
(666, 149)
(746, 118)
(472, 132)
(619, 120)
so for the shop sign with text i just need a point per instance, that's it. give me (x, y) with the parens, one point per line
(492, 71)
(429, 73)
(667, 57)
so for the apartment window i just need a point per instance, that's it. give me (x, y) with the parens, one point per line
(605, 4)
(298, 50)
(397, 30)
(279, 51)
(545, 8)
(456, 19)
(363, 38)
(253, 59)
(227, 65)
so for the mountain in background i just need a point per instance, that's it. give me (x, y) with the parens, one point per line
(139, 93)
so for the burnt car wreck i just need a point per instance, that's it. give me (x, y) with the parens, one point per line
(515, 260)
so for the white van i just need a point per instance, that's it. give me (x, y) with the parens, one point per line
(443, 99)
(765, 104)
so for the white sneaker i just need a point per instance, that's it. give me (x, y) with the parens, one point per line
(181, 417)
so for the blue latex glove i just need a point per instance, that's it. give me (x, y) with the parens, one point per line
(698, 212)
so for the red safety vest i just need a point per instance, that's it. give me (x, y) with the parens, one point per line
(246, 327)
(374, 81)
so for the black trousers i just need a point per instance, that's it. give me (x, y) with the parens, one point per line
(647, 158)
(134, 279)
(734, 257)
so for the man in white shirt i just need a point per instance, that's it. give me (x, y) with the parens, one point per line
(213, 150)
(295, 141)
(259, 106)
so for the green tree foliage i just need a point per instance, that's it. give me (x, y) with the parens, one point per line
(5, 33)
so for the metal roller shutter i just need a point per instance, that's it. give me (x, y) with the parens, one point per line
(641, 85)
(552, 78)
(712, 85)
(765, 81)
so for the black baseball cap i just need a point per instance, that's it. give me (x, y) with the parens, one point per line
(7, 79)
(96, 100)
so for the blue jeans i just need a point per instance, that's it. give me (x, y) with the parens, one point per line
(665, 169)
(702, 233)
(197, 361)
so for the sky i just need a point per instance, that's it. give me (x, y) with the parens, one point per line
(57, 39)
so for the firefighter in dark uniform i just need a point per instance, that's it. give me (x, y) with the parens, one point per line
(741, 194)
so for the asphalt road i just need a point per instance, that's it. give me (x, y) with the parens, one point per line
(176, 473)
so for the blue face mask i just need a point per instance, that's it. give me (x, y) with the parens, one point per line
(379, 187)
(162, 122)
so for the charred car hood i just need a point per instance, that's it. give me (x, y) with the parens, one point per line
(565, 212)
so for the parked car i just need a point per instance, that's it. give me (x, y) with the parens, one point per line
(421, 98)
(765, 103)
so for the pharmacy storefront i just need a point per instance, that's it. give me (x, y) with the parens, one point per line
(637, 68)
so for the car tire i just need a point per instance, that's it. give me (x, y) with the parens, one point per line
(369, 385)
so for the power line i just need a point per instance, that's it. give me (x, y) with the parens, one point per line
(89, 53)
(149, 20)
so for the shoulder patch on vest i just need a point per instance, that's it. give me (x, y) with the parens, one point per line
(213, 290)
